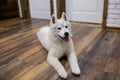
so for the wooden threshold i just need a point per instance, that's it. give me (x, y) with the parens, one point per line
(113, 28)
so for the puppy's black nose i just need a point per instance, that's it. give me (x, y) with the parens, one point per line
(66, 34)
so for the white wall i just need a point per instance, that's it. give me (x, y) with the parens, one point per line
(113, 19)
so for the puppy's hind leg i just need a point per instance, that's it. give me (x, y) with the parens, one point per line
(74, 63)
(55, 63)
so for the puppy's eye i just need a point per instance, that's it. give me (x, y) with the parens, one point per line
(59, 28)
(66, 26)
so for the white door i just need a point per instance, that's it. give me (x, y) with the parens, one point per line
(40, 9)
(85, 10)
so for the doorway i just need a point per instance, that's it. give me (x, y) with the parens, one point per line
(8, 9)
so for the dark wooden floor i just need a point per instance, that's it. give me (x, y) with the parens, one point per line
(101, 60)
(23, 58)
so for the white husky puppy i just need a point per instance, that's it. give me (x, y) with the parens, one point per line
(56, 38)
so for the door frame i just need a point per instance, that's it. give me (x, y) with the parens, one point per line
(105, 14)
(24, 9)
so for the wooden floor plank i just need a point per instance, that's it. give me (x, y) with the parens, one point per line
(108, 76)
(12, 54)
(10, 74)
(20, 28)
(113, 64)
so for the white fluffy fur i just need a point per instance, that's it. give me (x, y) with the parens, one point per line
(48, 36)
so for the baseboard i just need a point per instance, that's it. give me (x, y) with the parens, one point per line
(113, 28)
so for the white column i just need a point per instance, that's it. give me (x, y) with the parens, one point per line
(55, 7)
(20, 10)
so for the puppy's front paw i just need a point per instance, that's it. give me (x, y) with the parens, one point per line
(76, 71)
(63, 74)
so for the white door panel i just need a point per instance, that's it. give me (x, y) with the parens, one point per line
(81, 5)
(40, 9)
(85, 10)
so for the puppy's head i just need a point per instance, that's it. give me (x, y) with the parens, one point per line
(61, 27)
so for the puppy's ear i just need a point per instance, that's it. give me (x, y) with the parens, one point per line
(53, 19)
(64, 17)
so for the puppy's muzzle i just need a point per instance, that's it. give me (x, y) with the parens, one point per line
(66, 34)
